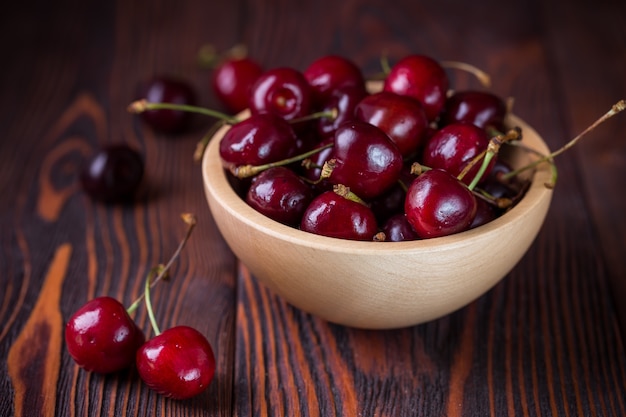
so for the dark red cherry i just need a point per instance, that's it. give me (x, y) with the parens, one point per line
(398, 229)
(281, 91)
(402, 118)
(482, 108)
(343, 101)
(113, 173)
(366, 160)
(166, 89)
(101, 337)
(257, 140)
(334, 215)
(332, 72)
(453, 146)
(485, 213)
(232, 82)
(280, 194)
(179, 363)
(317, 160)
(438, 204)
(422, 78)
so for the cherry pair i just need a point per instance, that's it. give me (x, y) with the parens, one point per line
(102, 337)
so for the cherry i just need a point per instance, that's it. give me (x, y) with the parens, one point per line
(365, 159)
(257, 140)
(438, 204)
(485, 213)
(165, 89)
(280, 194)
(101, 337)
(422, 78)
(402, 118)
(282, 91)
(454, 146)
(339, 214)
(232, 81)
(343, 102)
(482, 108)
(112, 174)
(398, 229)
(331, 72)
(178, 363)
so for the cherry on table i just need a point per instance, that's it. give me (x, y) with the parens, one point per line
(167, 89)
(334, 214)
(422, 78)
(232, 81)
(178, 363)
(101, 337)
(438, 204)
(113, 173)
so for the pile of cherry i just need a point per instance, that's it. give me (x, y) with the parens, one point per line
(321, 153)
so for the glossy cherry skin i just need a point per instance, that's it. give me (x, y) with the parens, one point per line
(280, 194)
(342, 100)
(232, 82)
(257, 140)
(166, 89)
(422, 78)
(281, 91)
(481, 108)
(333, 215)
(179, 363)
(113, 174)
(453, 146)
(367, 161)
(438, 204)
(398, 229)
(485, 213)
(331, 72)
(402, 118)
(101, 337)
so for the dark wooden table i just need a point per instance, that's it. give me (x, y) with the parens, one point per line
(548, 340)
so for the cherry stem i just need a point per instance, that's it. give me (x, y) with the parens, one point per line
(245, 171)
(328, 114)
(615, 109)
(481, 75)
(142, 105)
(345, 192)
(553, 168)
(161, 271)
(204, 142)
(153, 322)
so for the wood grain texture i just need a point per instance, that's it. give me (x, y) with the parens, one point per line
(548, 340)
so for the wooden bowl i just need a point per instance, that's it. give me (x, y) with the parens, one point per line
(378, 285)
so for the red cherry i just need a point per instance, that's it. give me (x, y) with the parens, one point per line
(481, 108)
(485, 213)
(402, 118)
(168, 90)
(280, 194)
(232, 82)
(113, 174)
(366, 160)
(343, 101)
(257, 140)
(454, 146)
(398, 229)
(101, 337)
(332, 72)
(422, 78)
(281, 91)
(438, 204)
(334, 215)
(179, 363)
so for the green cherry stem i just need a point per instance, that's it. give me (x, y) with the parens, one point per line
(245, 171)
(615, 109)
(143, 105)
(160, 272)
(153, 322)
